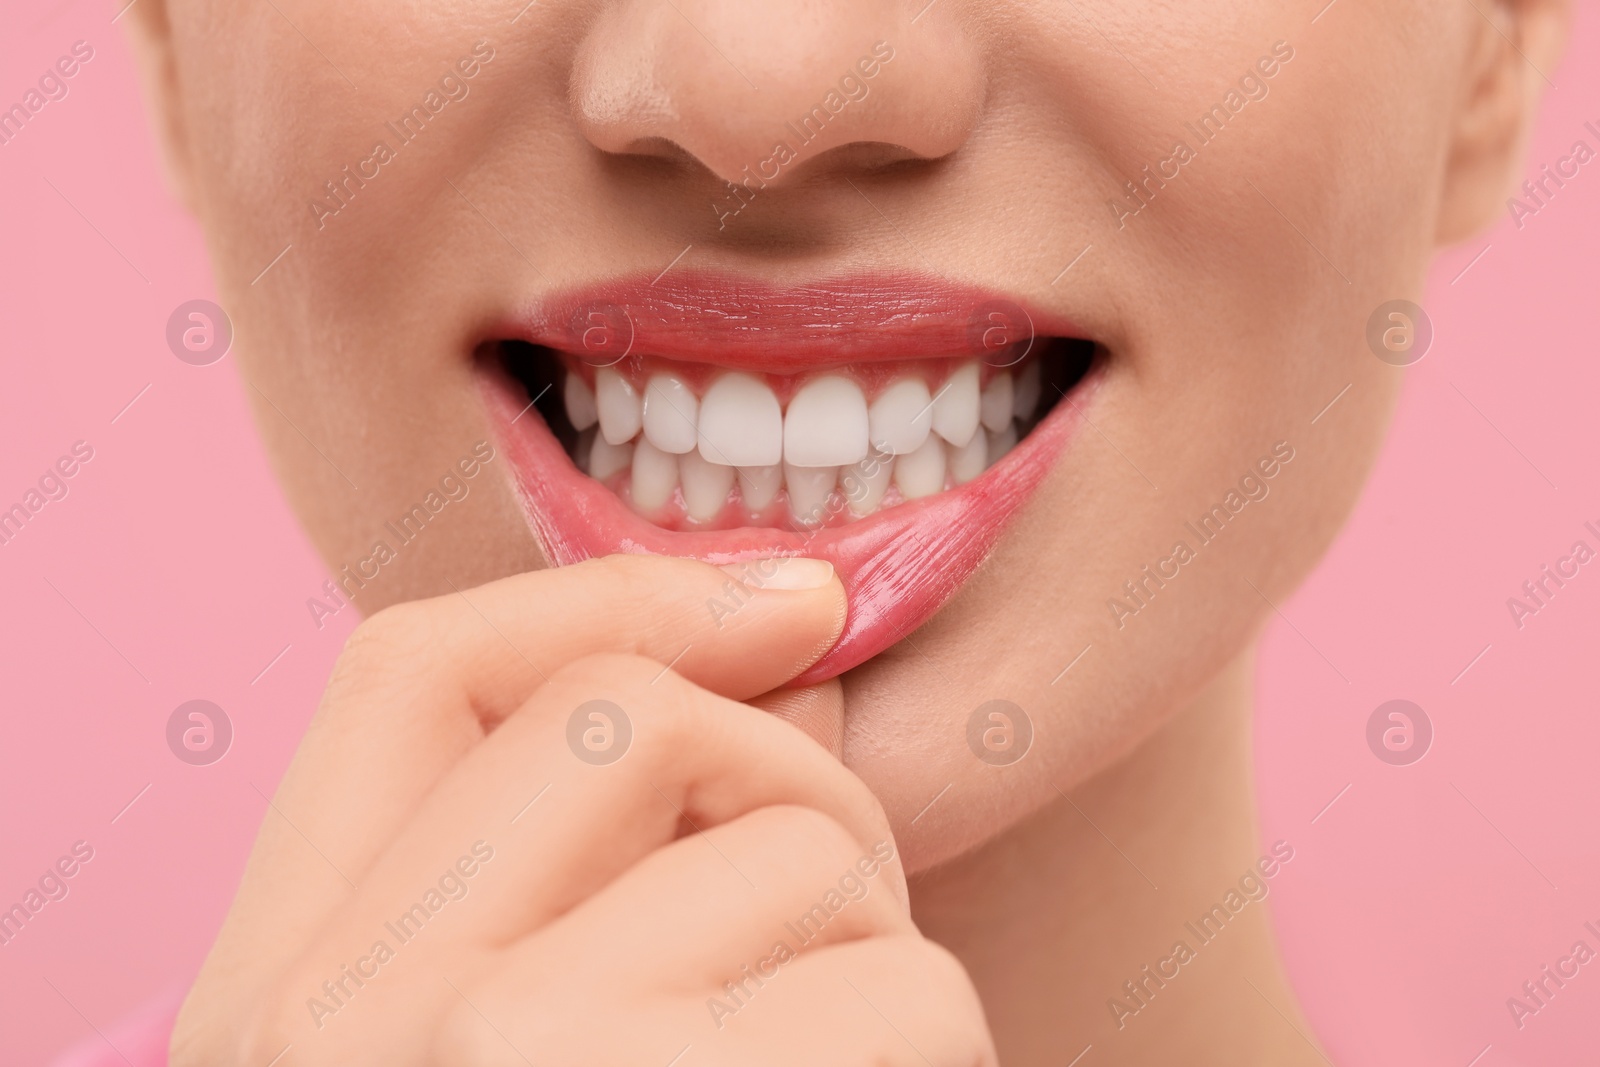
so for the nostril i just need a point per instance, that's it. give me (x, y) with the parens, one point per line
(794, 82)
(869, 156)
(660, 148)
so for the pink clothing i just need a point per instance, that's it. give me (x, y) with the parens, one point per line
(139, 1040)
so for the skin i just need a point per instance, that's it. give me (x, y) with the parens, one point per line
(1234, 308)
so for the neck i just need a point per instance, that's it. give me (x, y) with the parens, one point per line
(1070, 923)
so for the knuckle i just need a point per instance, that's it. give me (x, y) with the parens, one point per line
(394, 634)
(635, 683)
(612, 705)
(464, 1036)
(951, 1016)
(947, 980)
(823, 842)
(386, 648)
(941, 966)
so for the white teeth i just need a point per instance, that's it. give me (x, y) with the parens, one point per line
(955, 411)
(618, 405)
(826, 424)
(606, 459)
(829, 439)
(994, 404)
(705, 486)
(670, 414)
(968, 461)
(655, 476)
(1025, 394)
(901, 416)
(579, 397)
(759, 486)
(741, 424)
(1002, 442)
(809, 488)
(864, 483)
(921, 473)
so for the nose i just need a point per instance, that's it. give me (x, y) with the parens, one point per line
(759, 87)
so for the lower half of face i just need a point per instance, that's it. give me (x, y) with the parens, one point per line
(1047, 325)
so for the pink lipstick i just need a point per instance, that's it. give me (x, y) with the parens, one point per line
(891, 425)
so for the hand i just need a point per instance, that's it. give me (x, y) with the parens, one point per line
(451, 874)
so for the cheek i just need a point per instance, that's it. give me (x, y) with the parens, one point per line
(1036, 629)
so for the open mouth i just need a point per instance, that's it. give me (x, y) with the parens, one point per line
(697, 447)
(891, 428)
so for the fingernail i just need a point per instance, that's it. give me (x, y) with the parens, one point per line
(782, 572)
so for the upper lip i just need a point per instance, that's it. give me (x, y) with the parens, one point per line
(730, 321)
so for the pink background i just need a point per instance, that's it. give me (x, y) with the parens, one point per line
(1416, 904)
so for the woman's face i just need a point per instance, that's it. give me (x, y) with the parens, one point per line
(1211, 199)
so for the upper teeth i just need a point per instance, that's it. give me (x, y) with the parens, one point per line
(955, 406)
(620, 410)
(829, 436)
(741, 424)
(899, 420)
(826, 425)
(670, 414)
(580, 403)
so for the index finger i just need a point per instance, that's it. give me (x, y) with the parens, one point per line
(420, 684)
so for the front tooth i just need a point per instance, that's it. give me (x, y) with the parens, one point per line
(617, 402)
(955, 411)
(705, 486)
(826, 424)
(1002, 442)
(759, 486)
(809, 489)
(865, 483)
(968, 461)
(921, 473)
(741, 424)
(579, 397)
(899, 419)
(655, 476)
(606, 459)
(1025, 394)
(994, 404)
(670, 413)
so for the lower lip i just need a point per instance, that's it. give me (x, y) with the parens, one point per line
(898, 566)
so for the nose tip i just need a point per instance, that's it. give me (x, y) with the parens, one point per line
(760, 88)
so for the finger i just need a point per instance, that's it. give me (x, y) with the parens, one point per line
(815, 710)
(893, 1001)
(688, 760)
(901, 1001)
(417, 683)
(739, 631)
(729, 906)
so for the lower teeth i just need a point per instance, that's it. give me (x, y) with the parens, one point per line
(687, 489)
(663, 486)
